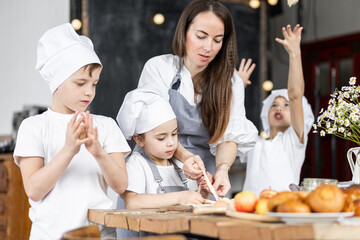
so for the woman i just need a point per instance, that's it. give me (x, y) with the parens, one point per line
(205, 91)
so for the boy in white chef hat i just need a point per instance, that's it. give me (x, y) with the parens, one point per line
(287, 119)
(155, 178)
(68, 158)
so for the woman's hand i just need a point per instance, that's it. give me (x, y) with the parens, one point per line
(292, 39)
(245, 70)
(193, 167)
(221, 182)
(202, 182)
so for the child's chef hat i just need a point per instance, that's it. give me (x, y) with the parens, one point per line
(61, 52)
(308, 114)
(143, 110)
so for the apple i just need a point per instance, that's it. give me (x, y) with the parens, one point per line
(262, 206)
(267, 193)
(245, 201)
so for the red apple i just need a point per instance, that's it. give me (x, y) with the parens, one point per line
(245, 201)
(267, 193)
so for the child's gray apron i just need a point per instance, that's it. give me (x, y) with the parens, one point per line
(124, 233)
(192, 133)
(158, 178)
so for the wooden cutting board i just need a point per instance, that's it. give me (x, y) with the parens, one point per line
(252, 216)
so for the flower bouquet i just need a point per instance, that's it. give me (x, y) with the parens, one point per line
(342, 119)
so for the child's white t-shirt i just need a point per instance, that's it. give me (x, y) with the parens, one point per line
(275, 163)
(141, 178)
(82, 185)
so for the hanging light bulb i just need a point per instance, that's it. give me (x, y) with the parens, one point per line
(263, 135)
(272, 2)
(254, 3)
(159, 19)
(268, 85)
(76, 23)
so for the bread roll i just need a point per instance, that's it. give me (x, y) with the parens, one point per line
(294, 206)
(326, 198)
(281, 198)
(357, 208)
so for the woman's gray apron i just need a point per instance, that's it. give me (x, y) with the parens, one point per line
(192, 133)
(124, 233)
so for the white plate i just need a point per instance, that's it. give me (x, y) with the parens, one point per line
(301, 218)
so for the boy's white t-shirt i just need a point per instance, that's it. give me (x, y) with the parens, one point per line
(82, 185)
(275, 163)
(141, 178)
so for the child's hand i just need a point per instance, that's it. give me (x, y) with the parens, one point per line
(202, 183)
(92, 142)
(292, 40)
(73, 131)
(190, 197)
(245, 71)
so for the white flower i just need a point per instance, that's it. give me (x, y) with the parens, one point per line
(341, 130)
(347, 122)
(322, 133)
(352, 81)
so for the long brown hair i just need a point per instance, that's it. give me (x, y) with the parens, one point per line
(214, 82)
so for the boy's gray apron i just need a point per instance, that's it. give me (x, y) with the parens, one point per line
(192, 132)
(124, 233)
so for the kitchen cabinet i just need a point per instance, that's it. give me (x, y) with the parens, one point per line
(14, 206)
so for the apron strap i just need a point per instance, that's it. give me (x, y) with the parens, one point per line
(175, 84)
(153, 168)
(181, 174)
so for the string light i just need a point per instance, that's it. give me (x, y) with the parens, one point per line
(254, 3)
(272, 2)
(268, 85)
(76, 23)
(159, 19)
(263, 135)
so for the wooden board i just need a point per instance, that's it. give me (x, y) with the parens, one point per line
(207, 225)
(209, 210)
(166, 222)
(252, 216)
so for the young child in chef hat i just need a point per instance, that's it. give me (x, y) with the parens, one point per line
(68, 158)
(287, 119)
(155, 178)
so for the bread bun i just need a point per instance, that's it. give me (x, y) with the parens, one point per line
(281, 198)
(349, 201)
(302, 194)
(352, 192)
(357, 208)
(294, 206)
(326, 198)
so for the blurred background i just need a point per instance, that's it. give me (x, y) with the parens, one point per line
(127, 33)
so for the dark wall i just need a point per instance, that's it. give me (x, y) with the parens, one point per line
(125, 37)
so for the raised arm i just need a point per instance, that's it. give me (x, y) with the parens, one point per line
(291, 43)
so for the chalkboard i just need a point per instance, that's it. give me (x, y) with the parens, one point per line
(125, 37)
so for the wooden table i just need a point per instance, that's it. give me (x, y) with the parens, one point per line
(217, 226)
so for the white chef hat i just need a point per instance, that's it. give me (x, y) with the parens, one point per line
(61, 52)
(307, 111)
(143, 110)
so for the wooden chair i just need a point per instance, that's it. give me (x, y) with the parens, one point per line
(91, 232)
